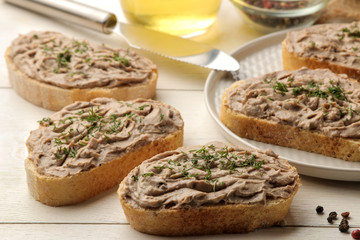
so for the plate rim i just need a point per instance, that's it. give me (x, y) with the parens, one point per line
(215, 76)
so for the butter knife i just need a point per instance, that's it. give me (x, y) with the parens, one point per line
(136, 36)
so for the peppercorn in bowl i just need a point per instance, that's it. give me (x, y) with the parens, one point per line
(274, 15)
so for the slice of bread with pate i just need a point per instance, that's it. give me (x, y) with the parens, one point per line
(332, 46)
(51, 70)
(210, 189)
(89, 147)
(312, 110)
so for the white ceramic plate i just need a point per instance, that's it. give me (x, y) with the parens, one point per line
(257, 58)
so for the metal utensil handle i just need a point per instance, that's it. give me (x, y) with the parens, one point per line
(70, 11)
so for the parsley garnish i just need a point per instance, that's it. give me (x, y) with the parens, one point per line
(135, 178)
(142, 107)
(63, 58)
(280, 88)
(147, 174)
(268, 80)
(44, 120)
(81, 47)
(353, 32)
(122, 60)
(337, 92)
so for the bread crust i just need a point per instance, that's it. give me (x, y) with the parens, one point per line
(54, 98)
(340, 11)
(215, 219)
(288, 136)
(58, 191)
(292, 61)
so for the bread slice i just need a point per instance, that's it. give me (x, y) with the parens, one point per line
(340, 11)
(51, 70)
(208, 189)
(332, 46)
(89, 147)
(326, 125)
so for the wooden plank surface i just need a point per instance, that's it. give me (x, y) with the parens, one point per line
(125, 232)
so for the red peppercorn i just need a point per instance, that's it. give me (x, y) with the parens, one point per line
(345, 214)
(267, 5)
(355, 234)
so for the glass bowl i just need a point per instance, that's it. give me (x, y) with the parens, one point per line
(273, 15)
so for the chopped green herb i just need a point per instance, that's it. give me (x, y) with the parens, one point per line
(93, 116)
(350, 111)
(312, 84)
(122, 60)
(337, 92)
(58, 141)
(129, 104)
(63, 58)
(135, 178)
(215, 181)
(280, 88)
(163, 166)
(268, 80)
(319, 93)
(44, 120)
(355, 34)
(81, 47)
(340, 36)
(45, 48)
(147, 174)
(72, 152)
(298, 91)
(142, 107)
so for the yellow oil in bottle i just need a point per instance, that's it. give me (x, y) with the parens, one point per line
(178, 17)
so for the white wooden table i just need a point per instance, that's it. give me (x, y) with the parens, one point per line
(181, 85)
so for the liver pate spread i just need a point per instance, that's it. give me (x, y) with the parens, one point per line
(336, 43)
(209, 175)
(85, 135)
(55, 59)
(308, 99)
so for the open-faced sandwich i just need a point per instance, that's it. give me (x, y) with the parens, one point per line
(51, 70)
(214, 188)
(332, 46)
(311, 110)
(89, 147)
